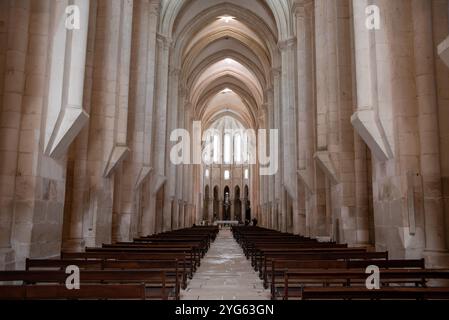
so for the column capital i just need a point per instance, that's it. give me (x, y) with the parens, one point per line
(276, 72)
(174, 71)
(164, 41)
(262, 111)
(188, 105)
(298, 8)
(301, 7)
(287, 43)
(182, 90)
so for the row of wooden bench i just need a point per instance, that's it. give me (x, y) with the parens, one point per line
(298, 267)
(152, 267)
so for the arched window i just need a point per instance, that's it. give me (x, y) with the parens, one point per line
(227, 148)
(238, 148)
(227, 175)
(246, 148)
(246, 174)
(216, 149)
(206, 173)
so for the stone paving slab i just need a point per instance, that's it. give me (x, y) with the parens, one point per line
(225, 274)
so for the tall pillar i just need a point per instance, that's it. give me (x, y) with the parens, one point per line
(147, 222)
(108, 132)
(304, 31)
(288, 125)
(276, 73)
(14, 85)
(80, 185)
(172, 124)
(160, 126)
(429, 134)
(40, 179)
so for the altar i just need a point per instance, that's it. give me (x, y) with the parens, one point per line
(226, 223)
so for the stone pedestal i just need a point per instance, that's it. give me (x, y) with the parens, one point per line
(74, 245)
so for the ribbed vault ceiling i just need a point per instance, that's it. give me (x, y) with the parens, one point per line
(225, 51)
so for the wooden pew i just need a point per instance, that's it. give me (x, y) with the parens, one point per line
(183, 258)
(259, 254)
(265, 260)
(157, 283)
(252, 247)
(200, 248)
(171, 267)
(204, 241)
(274, 276)
(86, 292)
(162, 262)
(194, 254)
(294, 281)
(360, 293)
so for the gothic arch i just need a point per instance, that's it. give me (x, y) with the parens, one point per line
(279, 8)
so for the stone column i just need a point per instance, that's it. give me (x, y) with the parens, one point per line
(440, 22)
(232, 213)
(272, 178)
(243, 212)
(288, 121)
(75, 239)
(40, 180)
(160, 124)
(220, 210)
(304, 30)
(429, 134)
(182, 107)
(107, 146)
(182, 206)
(149, 107)
(276, 73)
(18, 22)
(172, 122)
(187, 182)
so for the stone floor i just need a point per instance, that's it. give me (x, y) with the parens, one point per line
(225, 274)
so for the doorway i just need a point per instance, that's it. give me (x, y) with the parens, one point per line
(216, 203)
(227, 204)
(247, 204)
(206, 204)
(237, 205)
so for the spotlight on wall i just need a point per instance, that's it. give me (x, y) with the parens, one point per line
(226, 19)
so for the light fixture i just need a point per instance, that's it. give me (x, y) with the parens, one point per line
(226, 19)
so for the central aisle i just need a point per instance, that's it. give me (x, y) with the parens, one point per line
(225, 274)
